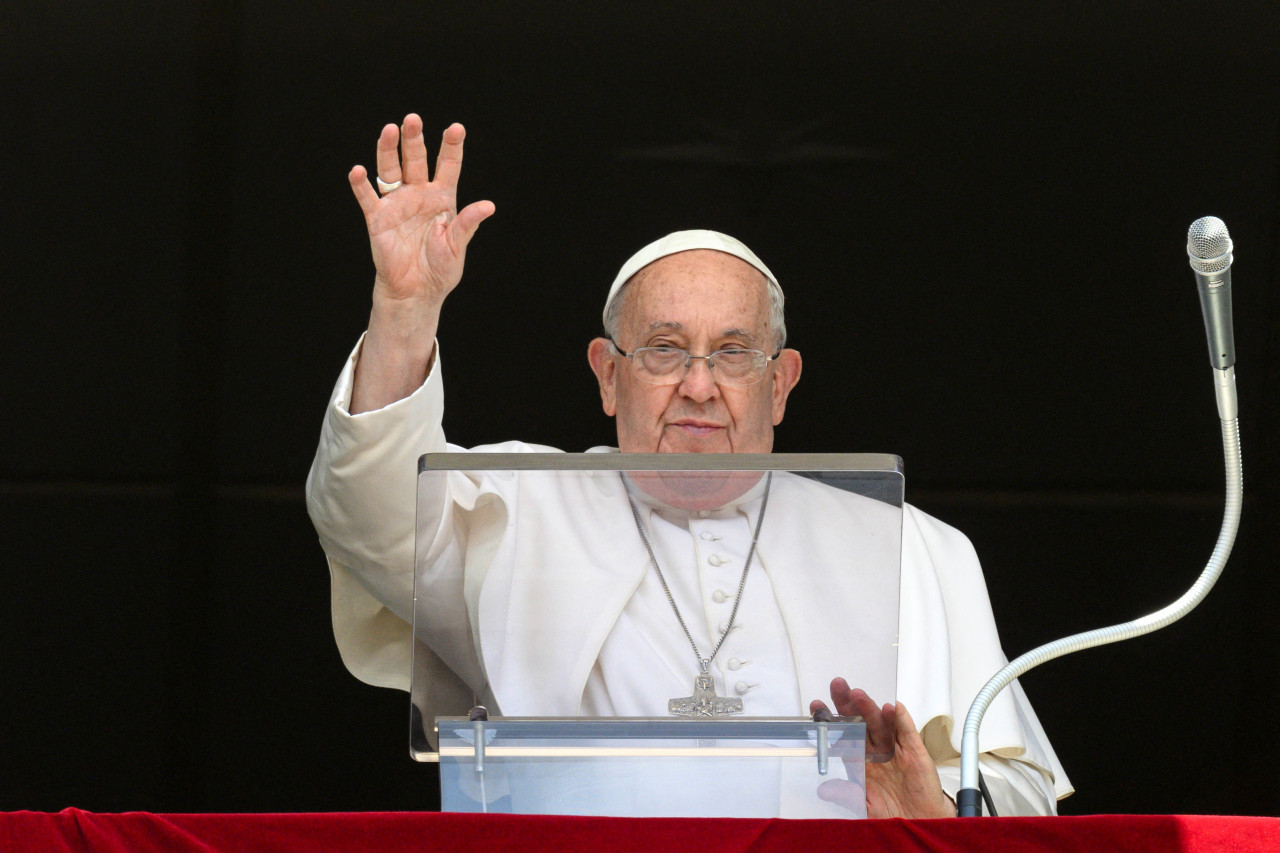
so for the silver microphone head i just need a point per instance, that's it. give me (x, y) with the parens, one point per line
(1209, 245)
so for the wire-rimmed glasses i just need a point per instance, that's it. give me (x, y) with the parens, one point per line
(668, 365)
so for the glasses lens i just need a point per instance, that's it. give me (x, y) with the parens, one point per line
(666, 365)
(660, 365)
(739, 366)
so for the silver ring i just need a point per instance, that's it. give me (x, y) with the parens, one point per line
(384, 187)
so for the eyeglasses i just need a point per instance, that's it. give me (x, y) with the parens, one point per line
(668, 365)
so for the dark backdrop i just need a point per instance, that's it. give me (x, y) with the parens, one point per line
(978, 214)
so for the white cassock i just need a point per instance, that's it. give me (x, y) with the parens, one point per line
(604, 640)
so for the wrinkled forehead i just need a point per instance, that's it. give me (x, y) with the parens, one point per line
(696, 292)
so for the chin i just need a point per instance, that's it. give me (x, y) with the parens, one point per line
(685, 444)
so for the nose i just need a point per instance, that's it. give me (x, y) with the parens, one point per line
(699, 384)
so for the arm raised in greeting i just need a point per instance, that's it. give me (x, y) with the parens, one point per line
(418, 239)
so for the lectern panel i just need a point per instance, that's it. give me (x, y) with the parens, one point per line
(691, 587)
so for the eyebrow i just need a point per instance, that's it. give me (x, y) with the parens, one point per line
(745, 334)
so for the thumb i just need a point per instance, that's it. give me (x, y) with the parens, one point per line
(848, 795)
(468, 220)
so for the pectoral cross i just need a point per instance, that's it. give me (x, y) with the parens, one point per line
(704, 702)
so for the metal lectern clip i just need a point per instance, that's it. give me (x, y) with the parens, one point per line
(822, 716)
(478, 716)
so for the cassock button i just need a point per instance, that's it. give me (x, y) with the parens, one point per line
(736, 664)
(724, 626)
(742, 688)
(719, 596)
(708, 536)
(703, 513)
(716, 560)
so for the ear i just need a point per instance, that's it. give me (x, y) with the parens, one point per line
(600, 356)
(786, 373)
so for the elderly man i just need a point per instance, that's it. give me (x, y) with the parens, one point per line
(695, 362)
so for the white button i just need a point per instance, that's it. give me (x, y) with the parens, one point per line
(724, 626)
(736, 664)
(708, 536)
(703, 513)
(716, 560)
(742, 688)
(719, 596)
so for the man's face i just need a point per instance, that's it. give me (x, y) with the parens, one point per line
(700, 301)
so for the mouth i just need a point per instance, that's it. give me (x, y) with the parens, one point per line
(697, 428)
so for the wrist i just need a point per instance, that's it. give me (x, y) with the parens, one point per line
(394, 361)
(404, 327)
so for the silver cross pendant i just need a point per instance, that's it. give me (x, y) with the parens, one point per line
(704, 702)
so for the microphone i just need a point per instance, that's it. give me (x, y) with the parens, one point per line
(1209, 248)
(1209, 251)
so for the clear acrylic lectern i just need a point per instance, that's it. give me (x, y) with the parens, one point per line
(580, 598)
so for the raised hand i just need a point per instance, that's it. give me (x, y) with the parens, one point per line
(417, 234)
(418, 239)
(905, 786)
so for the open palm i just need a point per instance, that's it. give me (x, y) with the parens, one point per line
(417, 235)
(419, 239)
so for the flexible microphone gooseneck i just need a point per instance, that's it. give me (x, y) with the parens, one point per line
(1210, 251)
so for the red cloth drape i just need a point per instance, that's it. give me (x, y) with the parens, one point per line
(74, 831)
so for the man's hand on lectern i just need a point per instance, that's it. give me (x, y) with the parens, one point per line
(907, 785)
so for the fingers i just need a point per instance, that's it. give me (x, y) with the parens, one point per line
(449, 163)
(881, 734)
(905, 725)
(389, 154)
(468, 220)
(842, 792)
(880, 721)
(402, 154)
(903, 780)
(851, 701)
(365, 196)
(908, 736)
(413, 151)
(841, 696)
(906, 786)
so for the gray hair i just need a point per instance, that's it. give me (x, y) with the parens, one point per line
(777, 319)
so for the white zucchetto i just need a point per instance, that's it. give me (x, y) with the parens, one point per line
(683, 241)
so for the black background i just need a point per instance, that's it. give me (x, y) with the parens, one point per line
(978, 214)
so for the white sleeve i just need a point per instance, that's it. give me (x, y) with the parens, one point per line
(1017, 789)
(949, 648)
(361, 495)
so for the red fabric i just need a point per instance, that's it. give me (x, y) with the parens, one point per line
(75, 831)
